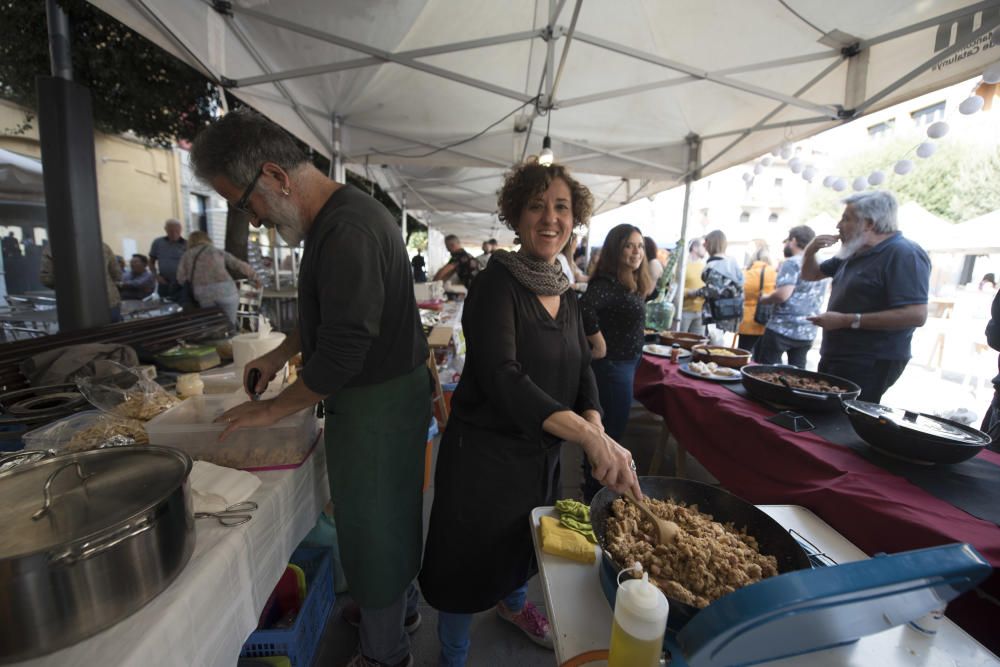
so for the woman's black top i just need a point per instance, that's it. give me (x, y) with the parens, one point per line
(616, 312)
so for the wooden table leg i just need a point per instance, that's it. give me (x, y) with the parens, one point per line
(680, 460)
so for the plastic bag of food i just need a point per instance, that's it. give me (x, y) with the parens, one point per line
(125, 392)
(85, 431)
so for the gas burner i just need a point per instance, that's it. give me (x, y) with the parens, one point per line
(39, 405)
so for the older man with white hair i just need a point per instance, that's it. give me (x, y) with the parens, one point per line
(878, 296)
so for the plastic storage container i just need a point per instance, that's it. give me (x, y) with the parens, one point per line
(190, 428)
(299, 642)
(59, 435)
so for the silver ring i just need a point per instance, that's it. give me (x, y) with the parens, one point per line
(631, 464)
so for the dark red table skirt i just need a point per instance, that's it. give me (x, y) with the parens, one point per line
(766, 464)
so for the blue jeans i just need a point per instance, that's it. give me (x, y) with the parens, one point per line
(614, 386)
(381, 630)
(453, 630)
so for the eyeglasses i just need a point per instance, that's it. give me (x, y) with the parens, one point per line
(241, 204)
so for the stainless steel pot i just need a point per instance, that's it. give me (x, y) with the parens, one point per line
(87, 539)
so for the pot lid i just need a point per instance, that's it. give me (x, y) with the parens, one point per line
(116, 485)
(925, 424)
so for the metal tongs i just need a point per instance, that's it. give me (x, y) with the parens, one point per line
(234, 515)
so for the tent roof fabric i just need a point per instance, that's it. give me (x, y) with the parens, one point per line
(437, 97)
(20, 174)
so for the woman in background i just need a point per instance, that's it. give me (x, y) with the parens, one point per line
(723, 290)
(614, 313)
(205, 267)
(758, 266)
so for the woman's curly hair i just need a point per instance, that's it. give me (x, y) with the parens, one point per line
(531, 179)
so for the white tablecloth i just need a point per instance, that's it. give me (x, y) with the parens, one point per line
(205, 615)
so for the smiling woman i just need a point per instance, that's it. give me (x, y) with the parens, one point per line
(527, 385)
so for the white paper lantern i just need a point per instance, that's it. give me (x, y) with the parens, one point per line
(992, 73)
(747, 176)
(926, 149)
(860, 183)
(840, 184)
(766, 161)
(828, 181)
(809, 173)
(903, 167)
(876, 178)
(937, 130)
(776, 151)
(795, 164)
(786, 152)
(971, 105)
(758, 168)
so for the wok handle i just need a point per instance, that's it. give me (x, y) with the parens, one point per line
(24, 454)
(91, 549)
(47, 489)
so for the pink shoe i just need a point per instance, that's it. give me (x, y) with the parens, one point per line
(530, 621)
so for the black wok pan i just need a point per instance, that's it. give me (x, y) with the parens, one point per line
(819, 401)
(724, 508)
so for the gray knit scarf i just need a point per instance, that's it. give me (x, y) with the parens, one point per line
(540, 277)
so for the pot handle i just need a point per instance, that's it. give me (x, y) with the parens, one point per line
(24, 454)
(48, 487)
(89, 550)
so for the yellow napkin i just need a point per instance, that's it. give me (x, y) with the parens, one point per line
(564, 542)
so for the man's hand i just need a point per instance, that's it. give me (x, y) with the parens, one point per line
(268, 365)
(820, 242)
(247, 415)
(831, 321)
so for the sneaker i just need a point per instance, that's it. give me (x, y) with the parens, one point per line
(531, 622)
(360, 660)
(352, 614)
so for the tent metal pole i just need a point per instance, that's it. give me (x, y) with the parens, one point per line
(337, 163)
(428, 144)
(693, 174)
(402, 210)
(959, 44)
(374, 60)
(708, 76)
(930, 23)
(174, 38)
(617, 154)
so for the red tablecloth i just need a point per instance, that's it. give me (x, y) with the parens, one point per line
(766, 464)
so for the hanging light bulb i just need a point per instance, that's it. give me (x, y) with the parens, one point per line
(903, 167)
(795, 164)
(877, 177)
(828, 181)
(809, 173)
(926, 149)
(992, 73)
(840, 184)
(747, 176)
(758, 169)
(786, 152)
(971, 105)
(860, 183)
(546, 158)
(766, 161)
(776, 151)
(938, 130)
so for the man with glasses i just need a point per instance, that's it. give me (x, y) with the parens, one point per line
(795, 299)
(364, 353)
(164, 256)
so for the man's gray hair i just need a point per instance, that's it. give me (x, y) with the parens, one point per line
(879, 206)
(239, 143)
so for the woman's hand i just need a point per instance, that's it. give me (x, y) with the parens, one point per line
(611, 464)
(247, 415)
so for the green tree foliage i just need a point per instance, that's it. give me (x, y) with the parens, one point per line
(135, 86)
(960, 181)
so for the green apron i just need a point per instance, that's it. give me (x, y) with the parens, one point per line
(375, 440)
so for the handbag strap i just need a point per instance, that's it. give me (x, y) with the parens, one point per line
(194, 264)
(760, 291)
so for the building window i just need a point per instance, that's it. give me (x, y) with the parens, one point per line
(928, 115)
(773, 217)
(882, 130)
(744, 217)
(199, 216)
(778, 182)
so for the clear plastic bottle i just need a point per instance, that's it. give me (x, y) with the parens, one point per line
(640, 621)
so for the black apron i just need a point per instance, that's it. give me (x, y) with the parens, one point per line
(479, 546)
(375, 441)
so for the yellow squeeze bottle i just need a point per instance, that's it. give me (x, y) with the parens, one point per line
(640, 621)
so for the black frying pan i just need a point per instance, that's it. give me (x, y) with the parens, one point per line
(724, 508)
(820, 401)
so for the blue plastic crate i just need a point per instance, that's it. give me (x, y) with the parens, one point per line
(300, 641)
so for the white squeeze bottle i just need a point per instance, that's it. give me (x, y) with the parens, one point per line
(640, 621)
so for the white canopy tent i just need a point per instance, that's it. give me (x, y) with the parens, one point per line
(20, 176)
(435, 98)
